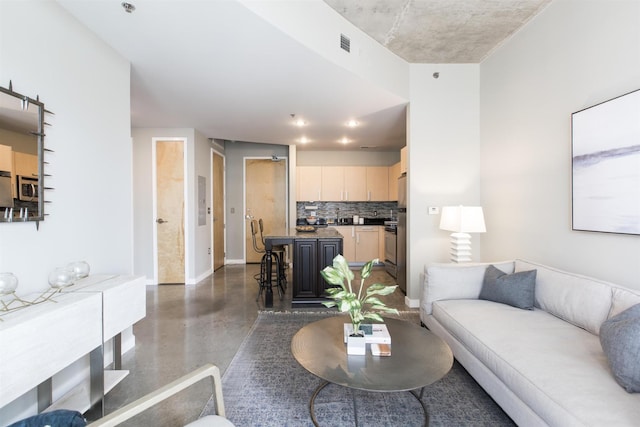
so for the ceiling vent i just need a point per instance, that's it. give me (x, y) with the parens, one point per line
(345, 43)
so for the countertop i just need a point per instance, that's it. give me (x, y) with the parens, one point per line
(292, 233)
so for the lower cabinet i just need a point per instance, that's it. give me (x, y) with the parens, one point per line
(362, 242)
(310, 256)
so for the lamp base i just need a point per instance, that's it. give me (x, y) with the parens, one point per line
(460, 247)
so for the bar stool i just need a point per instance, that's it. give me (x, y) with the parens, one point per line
(280, 250)
(261, 277)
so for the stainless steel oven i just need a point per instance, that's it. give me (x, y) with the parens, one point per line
(390, 248)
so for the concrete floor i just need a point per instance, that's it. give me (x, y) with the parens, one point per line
(188, 326)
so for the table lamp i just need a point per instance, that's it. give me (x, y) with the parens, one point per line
(462, 220)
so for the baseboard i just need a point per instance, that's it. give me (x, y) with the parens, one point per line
(234, 261)
(411, 303)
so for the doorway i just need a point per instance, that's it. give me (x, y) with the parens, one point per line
(218, 220)
(265, 197)
(169, 200)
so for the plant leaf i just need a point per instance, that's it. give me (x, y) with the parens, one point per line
(340, 264)
(380, 289)
(366, 269)
(332, 276)
(373, 316)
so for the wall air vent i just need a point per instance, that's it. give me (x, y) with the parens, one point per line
(345, 43)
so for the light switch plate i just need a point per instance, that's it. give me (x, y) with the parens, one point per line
(434, 210)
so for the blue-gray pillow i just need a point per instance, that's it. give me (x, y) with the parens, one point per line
(517, 289)
(620, 340)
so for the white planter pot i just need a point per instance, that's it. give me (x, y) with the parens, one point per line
(356, 345)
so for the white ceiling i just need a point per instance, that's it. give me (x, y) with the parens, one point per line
(217, 67)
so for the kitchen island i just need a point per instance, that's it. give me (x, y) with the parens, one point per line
(312, 251)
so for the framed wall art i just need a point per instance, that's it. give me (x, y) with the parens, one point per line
(605, 143)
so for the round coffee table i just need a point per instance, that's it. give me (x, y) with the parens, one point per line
(418, 358)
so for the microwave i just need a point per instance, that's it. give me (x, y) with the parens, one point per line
(27, 188)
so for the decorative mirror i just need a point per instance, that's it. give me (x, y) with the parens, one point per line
(21, 157)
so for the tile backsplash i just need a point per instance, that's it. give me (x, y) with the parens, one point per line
(334, 210)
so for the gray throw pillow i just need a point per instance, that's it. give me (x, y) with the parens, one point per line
(620, 340)
(515, 289)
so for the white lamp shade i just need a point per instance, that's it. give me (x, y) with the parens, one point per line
(462, 219)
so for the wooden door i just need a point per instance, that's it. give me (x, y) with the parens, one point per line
(309, 180)
(218, 210)
(377, 183)
(170, 212)
(355, 183)
(266, 198)
(332, 188)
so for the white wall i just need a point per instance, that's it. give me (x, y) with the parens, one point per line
(443, 160)
(46, 52)
(575, 54)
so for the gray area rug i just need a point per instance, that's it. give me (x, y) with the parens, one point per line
(265, 386)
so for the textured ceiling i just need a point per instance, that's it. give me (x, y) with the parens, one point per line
(439, 31)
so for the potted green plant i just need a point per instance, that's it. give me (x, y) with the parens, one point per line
(362, 305)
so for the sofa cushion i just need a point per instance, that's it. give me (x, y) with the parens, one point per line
(455, 281)
(620, 339)
(580, 300)
(622, 299)
(515, 289)
(557, 369)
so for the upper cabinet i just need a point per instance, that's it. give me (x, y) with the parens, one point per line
(355, 183)
(309, 183)
(25, 164)
(347, 183)
(394, 174)
(332, 183)
(377, 183)
(403, 160)
(6, 158)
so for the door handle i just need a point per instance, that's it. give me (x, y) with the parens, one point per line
(161, 221)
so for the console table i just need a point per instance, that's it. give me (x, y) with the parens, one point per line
(41, 340)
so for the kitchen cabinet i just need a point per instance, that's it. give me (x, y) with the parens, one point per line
(348, 242)
(344, 183)
(367, 245)
(361, 243)
(6, 158)
(377, 183)
(309, 183)
(310, 256)
(403, 160)
(332, 185)
(25, 164)
(355, 183)
(394, 173)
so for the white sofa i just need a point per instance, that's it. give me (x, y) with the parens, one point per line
(544, 366)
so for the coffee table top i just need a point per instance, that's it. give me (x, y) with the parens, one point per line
(418, 357)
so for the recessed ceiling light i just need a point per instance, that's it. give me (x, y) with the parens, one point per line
(128, 7)
(352, 123)
(298, 121)
(304, 140)
(344, 140)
